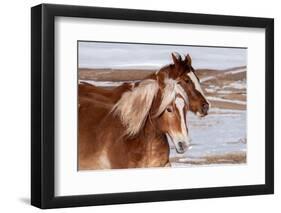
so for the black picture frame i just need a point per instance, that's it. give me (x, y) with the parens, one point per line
(43, 117)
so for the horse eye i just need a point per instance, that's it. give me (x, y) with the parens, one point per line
(169, 109)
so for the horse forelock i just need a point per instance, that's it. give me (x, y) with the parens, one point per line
(171, 90)
(134, 106)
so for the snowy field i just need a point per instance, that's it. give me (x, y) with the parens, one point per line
(220, 137)
(217, 138)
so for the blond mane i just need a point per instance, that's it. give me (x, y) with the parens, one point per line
(134, 106)
(171, 89)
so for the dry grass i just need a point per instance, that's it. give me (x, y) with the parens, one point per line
(233, 158)
(113, 74)
(226, 105)
(230, 158)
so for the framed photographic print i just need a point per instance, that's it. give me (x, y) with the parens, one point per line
(140, 106)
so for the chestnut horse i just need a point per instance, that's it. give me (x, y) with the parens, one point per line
(98, 100)
(133, 132)
(181, 70)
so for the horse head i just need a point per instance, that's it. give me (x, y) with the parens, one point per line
(182, 71)
(170, 114)
(162, 103)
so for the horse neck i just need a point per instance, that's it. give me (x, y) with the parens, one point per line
(147, 142)
(149, 133)
(166, 70)
(150, 136)
(102, 94)
(154, 146)
(111, 127)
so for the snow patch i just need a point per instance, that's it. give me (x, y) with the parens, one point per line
(222, 132)
(226, 100)
(225, 92)
(105, 83)
(236, 85)
(236, 71)
(210, 90)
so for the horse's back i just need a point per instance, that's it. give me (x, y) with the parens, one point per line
(95, 104)
(103, 94)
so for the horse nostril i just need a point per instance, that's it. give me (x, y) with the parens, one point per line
(205, 108)
(181, 145)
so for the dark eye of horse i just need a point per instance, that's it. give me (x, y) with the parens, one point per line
(169, 109)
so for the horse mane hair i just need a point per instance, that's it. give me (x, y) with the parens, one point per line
(171, 89)
(134, 105)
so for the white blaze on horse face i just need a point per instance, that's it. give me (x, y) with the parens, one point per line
(180, 106)
(181, 139)
(196, 83)
(197, 87)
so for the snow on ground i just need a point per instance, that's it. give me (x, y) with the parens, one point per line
(103, 83)
(224, 92)
(210, 90)
(222, 132)
(236, 71)
(207, 78)
(226, 100)
(236, 85)
(219, 135)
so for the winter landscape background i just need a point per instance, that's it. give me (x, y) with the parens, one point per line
(220, 138)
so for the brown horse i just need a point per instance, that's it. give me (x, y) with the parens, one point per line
(180, 70)
(101, 94)
(133, 133)
(183, 72)
(100, 100)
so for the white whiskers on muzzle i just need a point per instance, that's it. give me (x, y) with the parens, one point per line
(182, 142)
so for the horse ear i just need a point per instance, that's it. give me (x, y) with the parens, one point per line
(134, 106)
(176, 58)
(188, 60)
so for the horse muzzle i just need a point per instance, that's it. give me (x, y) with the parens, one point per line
(203, 111)
(182, 147)
(181, 142)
